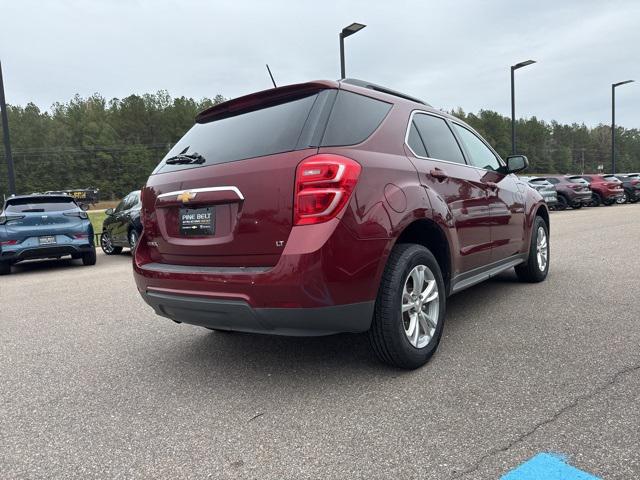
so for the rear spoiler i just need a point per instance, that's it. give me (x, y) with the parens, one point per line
(262, 99)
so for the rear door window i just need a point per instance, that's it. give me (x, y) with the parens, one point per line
(353, 119)
(266, 131)
(481, 155)
(25, 205)
(439, 142)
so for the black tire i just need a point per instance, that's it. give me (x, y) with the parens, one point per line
(596, 200)
(89, 258)
(576, 206)
(562, 203)
(107, 247)
(530, 271)
(387, 334)
(133, 238)
(5, 268)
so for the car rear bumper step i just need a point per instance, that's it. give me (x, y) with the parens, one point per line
(238, 315)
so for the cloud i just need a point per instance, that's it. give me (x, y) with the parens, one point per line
(449, 53)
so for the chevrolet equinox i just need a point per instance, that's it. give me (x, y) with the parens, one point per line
(329, 207)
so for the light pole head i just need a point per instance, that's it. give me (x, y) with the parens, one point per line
(622, 83)
(351, 29)
(522, 64)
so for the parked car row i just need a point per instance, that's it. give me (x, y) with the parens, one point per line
(376, 210)
(563, 191)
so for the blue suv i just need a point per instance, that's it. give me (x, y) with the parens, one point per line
(44, 226)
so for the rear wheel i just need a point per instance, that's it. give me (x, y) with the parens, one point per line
(409, 314)
(596, 200)
(5, 268)
(577, 206)
(89, 258)
(536, 268)
(106, 243)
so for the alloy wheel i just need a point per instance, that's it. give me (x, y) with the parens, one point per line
(542, 249)
(106, 243)
(420, 306)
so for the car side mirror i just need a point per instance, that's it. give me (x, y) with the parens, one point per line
(109, 211)
(84, 207)
(516, 163)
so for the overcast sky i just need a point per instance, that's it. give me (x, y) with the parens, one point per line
(450, 53)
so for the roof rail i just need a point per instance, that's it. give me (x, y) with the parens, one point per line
(379, 88)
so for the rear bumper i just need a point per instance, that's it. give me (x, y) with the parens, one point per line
(238, 315)
(14, 255)
(325, 281)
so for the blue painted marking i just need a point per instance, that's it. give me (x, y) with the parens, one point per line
(545, 466)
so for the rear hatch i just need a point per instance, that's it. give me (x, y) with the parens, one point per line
(579, 184)
(223, 195)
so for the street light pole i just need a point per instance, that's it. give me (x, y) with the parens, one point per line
(347, 31)
(513, 102)
(613, 123)
(5, 135)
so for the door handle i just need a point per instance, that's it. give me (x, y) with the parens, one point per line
(438, 173)
(492, 185)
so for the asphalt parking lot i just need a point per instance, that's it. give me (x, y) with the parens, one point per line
(94, 385)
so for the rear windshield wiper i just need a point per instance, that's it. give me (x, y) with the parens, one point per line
(183, 159)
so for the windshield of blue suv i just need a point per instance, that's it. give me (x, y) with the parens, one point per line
(35, 204)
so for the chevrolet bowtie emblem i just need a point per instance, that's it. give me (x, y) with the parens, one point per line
(184, 197)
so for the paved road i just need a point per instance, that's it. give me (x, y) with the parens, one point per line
(93, 385)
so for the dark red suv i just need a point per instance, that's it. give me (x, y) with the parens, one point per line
(330, 207)
(606, 189)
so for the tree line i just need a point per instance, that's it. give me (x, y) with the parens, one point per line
(114, 145)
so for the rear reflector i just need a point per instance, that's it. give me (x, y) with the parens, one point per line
(9, 242)
(80, 235)
(324, 183)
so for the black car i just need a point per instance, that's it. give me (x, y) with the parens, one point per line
(122, 227)
(631, 185)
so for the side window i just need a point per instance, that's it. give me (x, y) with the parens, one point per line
(481, 155)
(415, 142)
(438, 139)
(121, 205)
(353, 119)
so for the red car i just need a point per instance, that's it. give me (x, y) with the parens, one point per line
(330, 207)
(606, 189)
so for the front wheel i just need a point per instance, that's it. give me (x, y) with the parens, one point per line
(562, 203)
(410, 308)
(133, 239)
(106, 243)
(536, 267)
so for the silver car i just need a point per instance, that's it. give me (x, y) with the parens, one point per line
(545, 188)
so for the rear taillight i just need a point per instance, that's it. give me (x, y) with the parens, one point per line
(79, 214)
(80, 235)
(4, 219)
(8, 242)
(324, 183)
(574, 186)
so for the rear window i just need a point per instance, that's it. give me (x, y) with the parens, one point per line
(25, 205)
(611, 178)
(578, 180)
(270, 130)
(540, 181)
(353, 119)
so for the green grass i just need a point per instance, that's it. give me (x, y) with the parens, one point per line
(97, 218)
